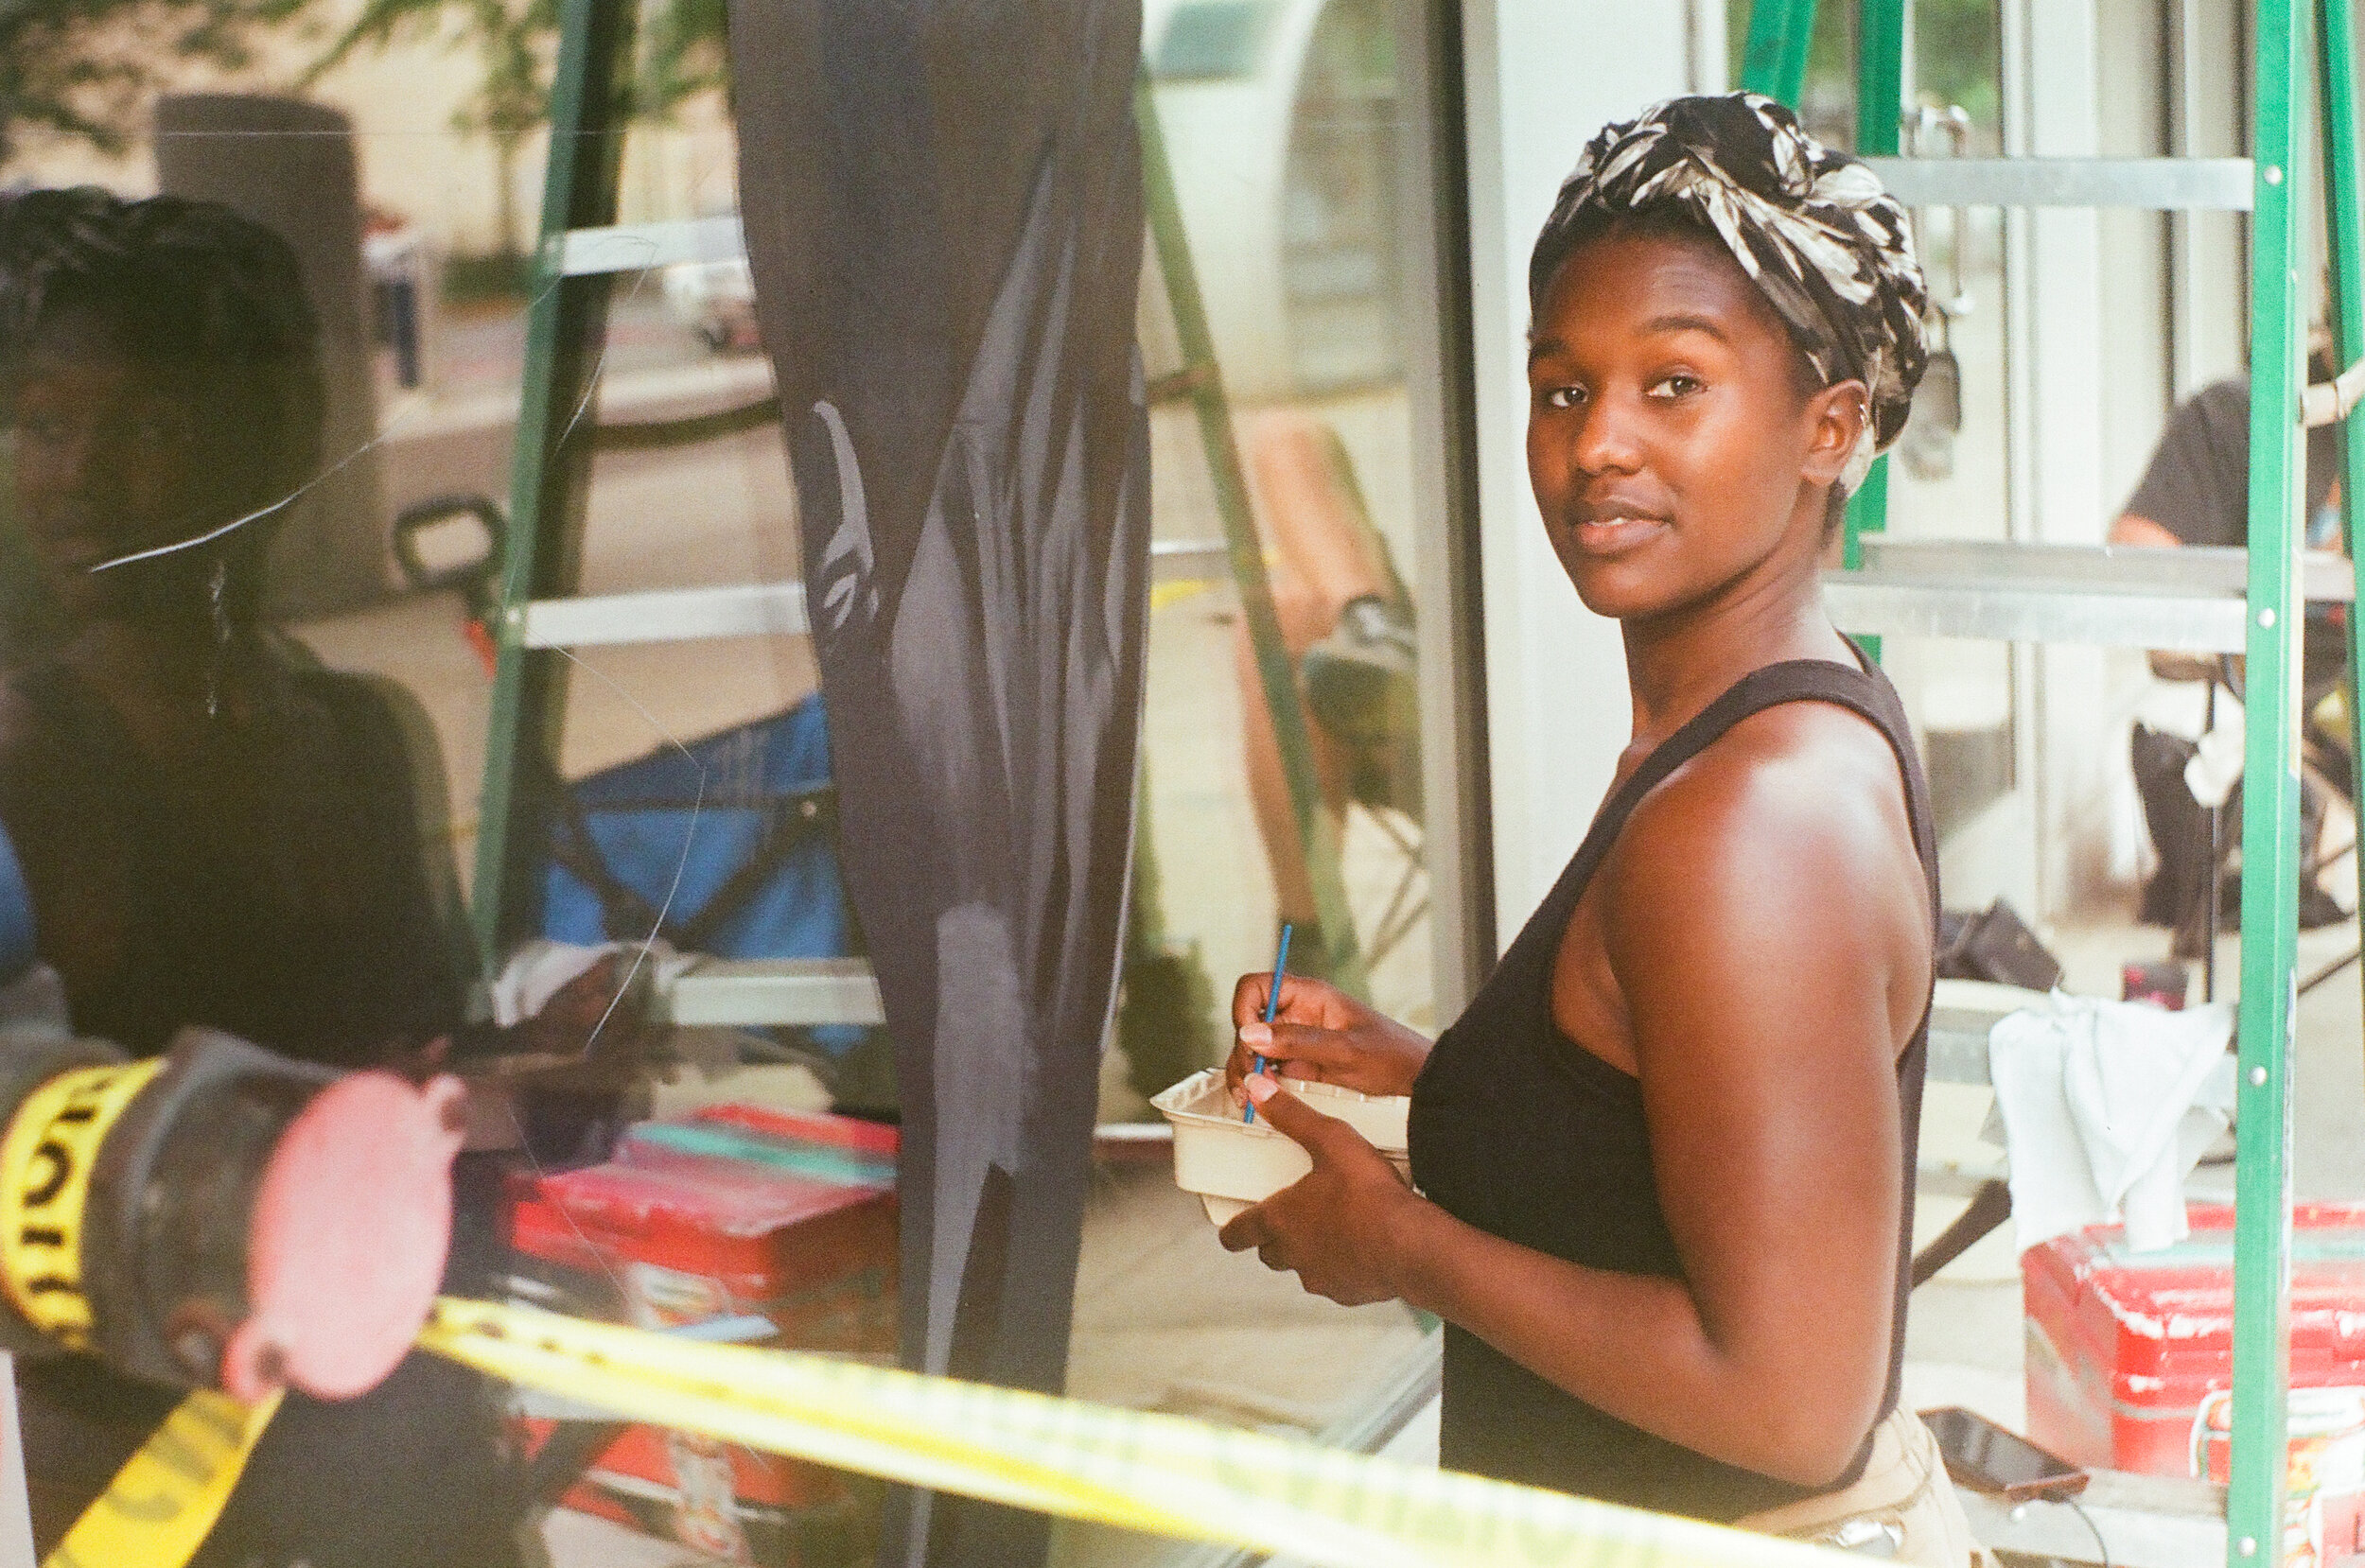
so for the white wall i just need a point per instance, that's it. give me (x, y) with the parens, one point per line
(2058, 494)
(1542, 77)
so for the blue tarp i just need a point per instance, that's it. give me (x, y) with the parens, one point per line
(679, 827)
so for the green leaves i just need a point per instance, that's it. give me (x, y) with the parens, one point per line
(86, 69)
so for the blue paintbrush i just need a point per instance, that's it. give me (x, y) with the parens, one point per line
(1272, 1004)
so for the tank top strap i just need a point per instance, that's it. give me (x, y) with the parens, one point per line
(1861, 689)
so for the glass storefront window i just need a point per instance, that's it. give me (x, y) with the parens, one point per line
(1288, 124)
(404, 168)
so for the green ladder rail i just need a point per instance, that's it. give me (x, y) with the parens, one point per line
(1774, 61)
(2270, 790)
(536, 616)
(2026, 593)
(549, 472)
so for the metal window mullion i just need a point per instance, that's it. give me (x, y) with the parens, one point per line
(2344, 228)
(2254, 1502)
(2183, 247)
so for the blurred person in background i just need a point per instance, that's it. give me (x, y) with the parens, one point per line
(2196, 491)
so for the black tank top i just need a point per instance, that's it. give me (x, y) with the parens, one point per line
(273, 887)
(1519, 1130)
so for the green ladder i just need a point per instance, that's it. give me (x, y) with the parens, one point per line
(536, 616)
(2055, 594)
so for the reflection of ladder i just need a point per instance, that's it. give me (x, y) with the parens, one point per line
(536, 614)
(533, 617)
(2020, 594)
(1202, 382)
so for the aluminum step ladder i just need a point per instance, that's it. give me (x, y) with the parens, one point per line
(537, 614)
(2187, 601)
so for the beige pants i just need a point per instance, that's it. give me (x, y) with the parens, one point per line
(1903, 1509)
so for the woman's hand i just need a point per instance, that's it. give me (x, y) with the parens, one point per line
(1336, 1228)
(1323, 1033)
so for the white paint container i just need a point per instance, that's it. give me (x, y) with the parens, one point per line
(1232, 1163)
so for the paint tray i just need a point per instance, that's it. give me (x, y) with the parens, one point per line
(1231, 1163)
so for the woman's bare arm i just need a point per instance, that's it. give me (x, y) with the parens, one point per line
(1769, 931)
(1767, 924)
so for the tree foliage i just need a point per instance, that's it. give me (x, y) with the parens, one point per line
(85, 69)
(682, 57)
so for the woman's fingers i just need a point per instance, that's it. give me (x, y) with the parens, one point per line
(1245, 1229)
(1322, 1034)
(1298, 1042)
(1248, 998)
(1302, 1000)
(1293, 1118)
(1295, 1050)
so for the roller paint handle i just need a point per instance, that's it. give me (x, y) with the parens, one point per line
(1272, 1005)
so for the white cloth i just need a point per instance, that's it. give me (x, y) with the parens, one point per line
(2215, 765)
(2107, 1106)
(541, 968)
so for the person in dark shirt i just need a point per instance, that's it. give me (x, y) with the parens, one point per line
(2196, 490)
(215, 829)
(1664, 1162)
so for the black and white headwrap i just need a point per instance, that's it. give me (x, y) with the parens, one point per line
(1813, 230)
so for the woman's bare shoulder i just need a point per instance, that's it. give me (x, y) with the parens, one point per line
(1768, 901)
(1797, 810)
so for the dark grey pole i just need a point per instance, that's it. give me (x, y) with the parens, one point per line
(943, 203)
(290, 165)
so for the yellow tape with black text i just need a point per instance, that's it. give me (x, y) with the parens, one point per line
(45, 1161)
(1165, 1475)
(1158, 1474)
(161, 1505)
(158, 1509)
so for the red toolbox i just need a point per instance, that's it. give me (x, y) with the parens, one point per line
(731, 1210)
(2130, 1355)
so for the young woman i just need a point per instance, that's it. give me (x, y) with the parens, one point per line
(1665, 1160)
(213, 830)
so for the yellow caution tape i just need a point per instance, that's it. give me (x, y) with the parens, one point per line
(158, 1508)
(1160, 1473)
(44, 1182)
(1163, 1474)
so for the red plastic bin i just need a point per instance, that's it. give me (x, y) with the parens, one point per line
(2126, 1350)
(688, 1239)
